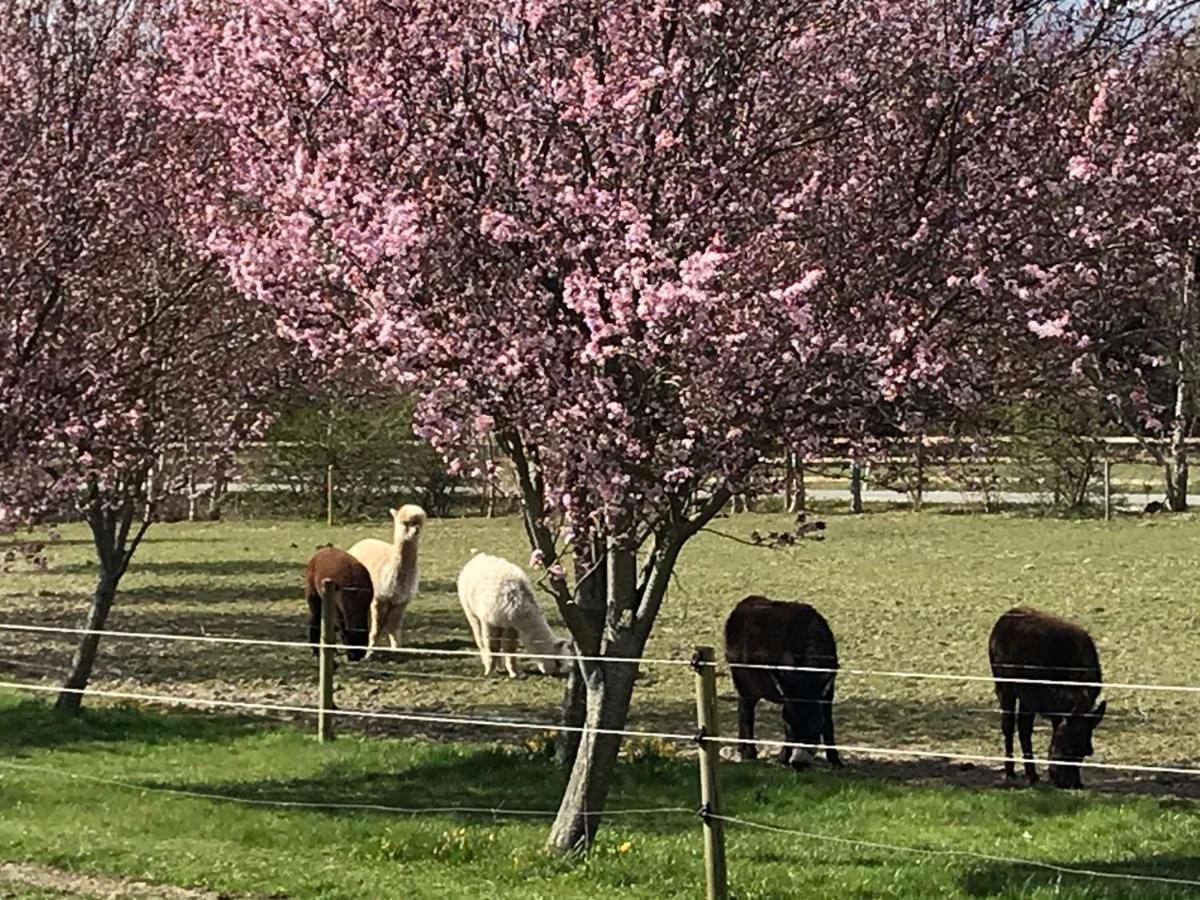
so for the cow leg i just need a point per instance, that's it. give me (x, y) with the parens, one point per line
(831, 752)
(747, 748)
(1008, 716)
(786, 753)
(1025, 733)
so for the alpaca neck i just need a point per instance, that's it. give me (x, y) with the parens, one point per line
(403, 566)
(537, 636)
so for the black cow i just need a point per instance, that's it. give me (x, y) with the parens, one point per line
(762, 632)
(1027, 644)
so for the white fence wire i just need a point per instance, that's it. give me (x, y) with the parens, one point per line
(645, 660)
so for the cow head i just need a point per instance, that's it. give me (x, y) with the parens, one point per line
(805, 722)
(1071, 742)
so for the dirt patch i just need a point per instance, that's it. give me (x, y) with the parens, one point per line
(24, 880)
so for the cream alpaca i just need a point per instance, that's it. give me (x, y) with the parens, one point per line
(497, 598)
(393, 569)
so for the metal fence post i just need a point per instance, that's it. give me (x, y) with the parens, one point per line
(710, 798)
(325, 670)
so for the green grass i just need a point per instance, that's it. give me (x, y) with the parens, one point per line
(901, 591)
(138, 831)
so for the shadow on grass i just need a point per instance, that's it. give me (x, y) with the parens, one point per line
(1113, 879)
(218, 568)
(33, 724)
(475, 783)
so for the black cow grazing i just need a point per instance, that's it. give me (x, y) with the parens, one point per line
(762, 632)
(1033, 645)
(352, 596)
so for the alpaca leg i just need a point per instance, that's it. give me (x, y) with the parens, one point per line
(508, 645)
(314, 622)
(489, 645)
(397, 623)
(373, 634)
(476, 634)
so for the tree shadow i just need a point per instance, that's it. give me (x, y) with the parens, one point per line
(222, 568)
(475, 783)
(33, 724)
(150, 538)
(1002, 879)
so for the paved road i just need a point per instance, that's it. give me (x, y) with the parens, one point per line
(1130, 500)
(1127, 500)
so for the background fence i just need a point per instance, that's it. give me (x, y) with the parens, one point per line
(343, 484)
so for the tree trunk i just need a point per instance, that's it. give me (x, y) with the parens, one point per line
(114, 548)
(1177, 467)
(608, 692)
(1176, 474)
(70, 698)
(1176, 470)
(799, 498)
(591, 595)
(789, 480)
(217, 497)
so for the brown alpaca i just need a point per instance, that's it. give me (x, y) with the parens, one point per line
(352, 593)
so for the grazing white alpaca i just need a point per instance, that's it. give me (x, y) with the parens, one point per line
(393, 569)
(498, 600)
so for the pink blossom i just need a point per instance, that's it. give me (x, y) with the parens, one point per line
(1050, 327)
(1081, 168)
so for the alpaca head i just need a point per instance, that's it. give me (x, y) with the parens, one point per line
(409, 520)
(558, 660)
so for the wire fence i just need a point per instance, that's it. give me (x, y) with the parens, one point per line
(696, 740)
(631, 660)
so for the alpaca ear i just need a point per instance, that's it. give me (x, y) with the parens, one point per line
(395, 513)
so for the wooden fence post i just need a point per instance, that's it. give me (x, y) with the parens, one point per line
(329, 495)
(855, 486)
(325, 670)
(919, 496)
(1107, 488)
(704, 662)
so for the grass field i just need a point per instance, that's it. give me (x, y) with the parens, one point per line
(901, 591)
(141, 831)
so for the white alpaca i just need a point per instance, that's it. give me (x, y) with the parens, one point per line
(393, 569)
(498, 600)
